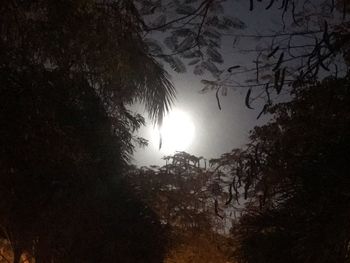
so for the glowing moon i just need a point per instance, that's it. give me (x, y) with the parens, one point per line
(177, 132)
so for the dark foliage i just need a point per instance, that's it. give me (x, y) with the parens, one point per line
(181, 193)
(307, 42)
(62, 198)
(67, 72)
(294, 175)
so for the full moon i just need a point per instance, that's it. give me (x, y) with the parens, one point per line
(176, 132)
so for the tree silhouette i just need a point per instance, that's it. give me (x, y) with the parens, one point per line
(180, 193)
(187, 32)
(292, 172)
(309, 42)
(294, 179)
(60, 176)
(68, 71)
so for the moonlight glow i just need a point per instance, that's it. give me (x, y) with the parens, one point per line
(177, 132)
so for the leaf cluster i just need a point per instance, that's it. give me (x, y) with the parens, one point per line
(192, 32)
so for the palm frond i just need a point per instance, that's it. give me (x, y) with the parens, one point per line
(157, 91)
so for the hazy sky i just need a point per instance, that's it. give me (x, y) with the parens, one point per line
(217, 131)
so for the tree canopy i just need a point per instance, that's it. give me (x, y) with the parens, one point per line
(182, 193)
(68, 70)
(293, 176)
(309, 40)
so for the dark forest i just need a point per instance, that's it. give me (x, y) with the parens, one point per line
(70, 190)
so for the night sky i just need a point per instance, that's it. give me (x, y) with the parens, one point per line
(217, 131)
(262, 95)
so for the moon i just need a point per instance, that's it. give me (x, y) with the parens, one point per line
(176, 133)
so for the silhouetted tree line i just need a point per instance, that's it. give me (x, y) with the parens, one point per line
(70, 69)
(67, 71)
(62, 198)
(293, 180)
(182, 194)
(292, 177)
